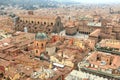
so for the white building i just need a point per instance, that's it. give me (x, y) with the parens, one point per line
(79, 75)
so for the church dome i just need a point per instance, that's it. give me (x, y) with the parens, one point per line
(40, 36)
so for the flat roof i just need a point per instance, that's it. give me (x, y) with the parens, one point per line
(99, 24)
(110, 43)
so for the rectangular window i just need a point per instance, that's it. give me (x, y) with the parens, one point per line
(36, 51)
(37, 44)
(42, 46)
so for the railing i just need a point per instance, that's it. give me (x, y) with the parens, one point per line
(101, 73)
(108, 51)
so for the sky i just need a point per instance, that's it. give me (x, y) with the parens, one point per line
(98, 1)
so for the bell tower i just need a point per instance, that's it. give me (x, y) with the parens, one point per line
(40, 43)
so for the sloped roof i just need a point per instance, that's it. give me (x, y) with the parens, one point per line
(94, 24)
(95, 33)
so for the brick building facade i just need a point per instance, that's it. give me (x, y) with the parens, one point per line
(34, 23)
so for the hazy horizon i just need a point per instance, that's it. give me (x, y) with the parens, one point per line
(79, 1)
(93, 1)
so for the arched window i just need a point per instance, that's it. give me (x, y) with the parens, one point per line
(20, 20)
(36, 51)
(49, 30)
(31, 21)
(38, 22)
(26, 21)
(44, 23)
(42, 45)
(37, 44)
(51, 23)
(35, 27)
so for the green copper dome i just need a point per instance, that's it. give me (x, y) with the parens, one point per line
(40, 36)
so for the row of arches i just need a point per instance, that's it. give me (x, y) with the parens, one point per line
(37, 22)
(31, 28)
(84, 32)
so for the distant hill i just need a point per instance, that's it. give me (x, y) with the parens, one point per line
(28, 4)
(4, 2)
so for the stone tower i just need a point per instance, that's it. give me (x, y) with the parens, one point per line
(40, 43)
(58, 25)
